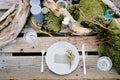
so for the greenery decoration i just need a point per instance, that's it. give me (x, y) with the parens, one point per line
(110, 39)
(52, 23)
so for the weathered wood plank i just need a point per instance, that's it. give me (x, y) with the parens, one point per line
(45, 42)
(2, 12)
(6, 4)
(29, 68)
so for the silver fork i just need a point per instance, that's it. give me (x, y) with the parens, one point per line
(42, 64)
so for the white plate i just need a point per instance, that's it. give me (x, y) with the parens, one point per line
(60, 48)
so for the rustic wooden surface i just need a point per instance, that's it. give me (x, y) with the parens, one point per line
(6, 4)
(20, 45)
(29, 68)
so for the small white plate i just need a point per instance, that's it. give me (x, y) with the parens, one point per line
(60, 48)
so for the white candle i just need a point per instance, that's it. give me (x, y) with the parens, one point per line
(35, 2)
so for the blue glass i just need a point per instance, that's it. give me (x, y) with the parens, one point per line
(108, 14)
(37, 14)
(62, 4)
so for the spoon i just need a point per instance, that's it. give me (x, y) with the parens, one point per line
(42, 65)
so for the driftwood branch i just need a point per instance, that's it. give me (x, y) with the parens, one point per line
(111, 5)
(8, 12)
(7, 21)
(10, 33)
(36, 27)
(61, 11)
(92, 21)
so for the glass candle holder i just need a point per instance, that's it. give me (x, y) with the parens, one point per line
(108, 14)
(37, 14)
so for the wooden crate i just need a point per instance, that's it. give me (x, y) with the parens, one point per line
(18, 60)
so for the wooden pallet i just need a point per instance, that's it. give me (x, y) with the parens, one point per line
(15, 65)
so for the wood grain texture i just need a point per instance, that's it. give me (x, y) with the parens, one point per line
(29, 68)
(7, 13)
(11, 32)
(6, 4)
(20, 45)
(7, 21)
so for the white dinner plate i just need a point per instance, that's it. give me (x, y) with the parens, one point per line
(56, 58)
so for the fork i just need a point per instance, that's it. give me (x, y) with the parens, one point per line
(42, 65)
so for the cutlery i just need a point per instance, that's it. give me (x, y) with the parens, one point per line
(83, 55)
(42, 64)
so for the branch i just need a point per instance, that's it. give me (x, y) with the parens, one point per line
(111, 5)
(93, 21)
(13, 8)
(7, 21)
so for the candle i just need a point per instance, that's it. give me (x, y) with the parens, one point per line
(35, 2)
(62, 3)
(37, 14)
(30, 36)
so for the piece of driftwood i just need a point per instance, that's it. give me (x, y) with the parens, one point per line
(111, 5)
(117, 3)
(8, 12)
(10, 33)
(58, 11)
(7, 21)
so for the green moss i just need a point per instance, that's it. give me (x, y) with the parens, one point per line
(111, 47)
(92, 8)
(74, 10)
(52, 23)
(112, 52)
(113, 25)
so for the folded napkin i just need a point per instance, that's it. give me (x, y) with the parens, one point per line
(62, 59)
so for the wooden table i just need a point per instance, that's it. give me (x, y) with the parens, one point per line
(20, 60)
